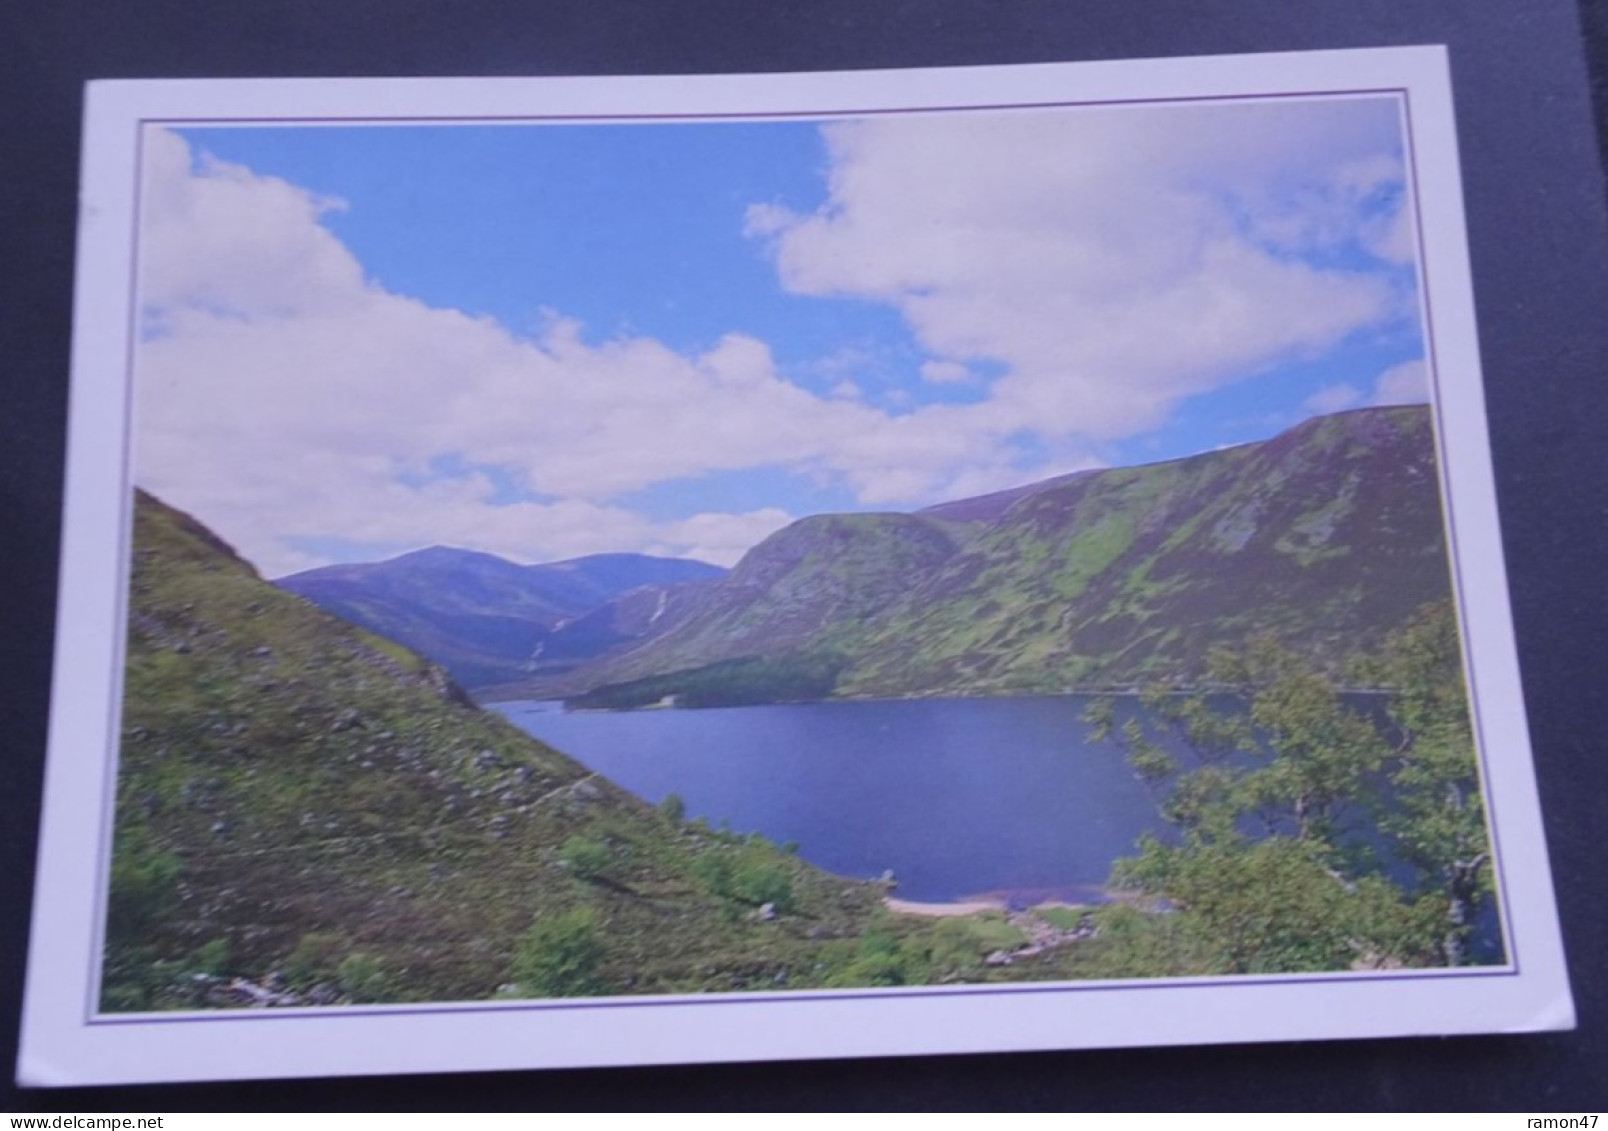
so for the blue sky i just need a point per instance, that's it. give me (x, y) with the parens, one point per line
(542, 340)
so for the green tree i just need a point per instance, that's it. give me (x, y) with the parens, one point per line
(881, 959)
(749, 874)
(587, 858)
(1269, 862)
(560, 955)
(1280, 904)
(758, 883)
(1436, 815)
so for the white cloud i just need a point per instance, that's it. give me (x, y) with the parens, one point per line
(1333, 398)
(945, 372)
(232, 242)
(721, 538)
(1407, 383)
(285, 399)
(1358, 202)
(1111, 264)
(1114, 261)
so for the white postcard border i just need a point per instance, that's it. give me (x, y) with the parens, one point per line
(64, 1043)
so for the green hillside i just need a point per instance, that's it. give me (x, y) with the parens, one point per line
(310, 815)
(1326, 538)
(321, 813)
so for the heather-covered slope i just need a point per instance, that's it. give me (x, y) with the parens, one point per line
(805, 589)
(318, 811)
(1326, 537)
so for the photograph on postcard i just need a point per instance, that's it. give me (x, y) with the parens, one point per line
(763, 555)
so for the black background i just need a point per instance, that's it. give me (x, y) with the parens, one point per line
(1534, 188)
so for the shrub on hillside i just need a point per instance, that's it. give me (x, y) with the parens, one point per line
(587, 858)
(560, 954)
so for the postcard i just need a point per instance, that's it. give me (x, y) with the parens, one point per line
(572, 572)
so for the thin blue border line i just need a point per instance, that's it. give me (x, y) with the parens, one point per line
(875, 112)
(813, 997)
(983, 989)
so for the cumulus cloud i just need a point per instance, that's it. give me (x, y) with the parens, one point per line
(229, 241)
(945, 372)
(1113, 261)
(1107, 265)
(1407, 383)
(285, 399)
(1333, 398)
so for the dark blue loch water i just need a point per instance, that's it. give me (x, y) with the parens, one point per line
(959, 797)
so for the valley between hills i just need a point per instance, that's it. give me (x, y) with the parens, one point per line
(1327, 538)
(312, 809)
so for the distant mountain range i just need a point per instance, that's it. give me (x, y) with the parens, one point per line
(1328, 537)
(487, 620)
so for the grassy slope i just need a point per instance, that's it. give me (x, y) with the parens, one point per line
(297, 795)
(1327, 537)
(310, 779)
(800, 592)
